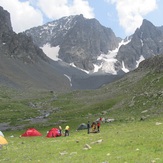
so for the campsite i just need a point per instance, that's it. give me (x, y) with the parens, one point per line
(132, 133)
(139, 141)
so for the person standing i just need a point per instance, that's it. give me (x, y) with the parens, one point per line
(98, 126)
(60, 130)
(67, 128)
(88, 127)
(93, 126)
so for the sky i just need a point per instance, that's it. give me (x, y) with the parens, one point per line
(122, 16)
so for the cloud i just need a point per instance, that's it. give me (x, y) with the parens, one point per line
(23, 15)
(130, 12)
(55, 9)
(26, 14)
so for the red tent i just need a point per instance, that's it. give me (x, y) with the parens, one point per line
(32, 132)
(54, 132)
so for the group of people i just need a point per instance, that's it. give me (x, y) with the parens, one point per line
(95, 126)
(67, 129)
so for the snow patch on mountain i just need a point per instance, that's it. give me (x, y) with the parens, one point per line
(105, 62)
(51, 52)
(108, 60)
(124, 68)
(73, 65)
(69, 78)
(140, 60)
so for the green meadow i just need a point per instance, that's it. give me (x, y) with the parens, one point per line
(134, 142)
(135, 136)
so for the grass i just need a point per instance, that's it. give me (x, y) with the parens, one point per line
(135, 102)
(134, 142)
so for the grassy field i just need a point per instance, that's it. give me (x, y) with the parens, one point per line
(134, 142)
(136, 135)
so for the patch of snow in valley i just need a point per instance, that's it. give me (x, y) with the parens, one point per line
(69, 78)
(73, 65)
(51, 52)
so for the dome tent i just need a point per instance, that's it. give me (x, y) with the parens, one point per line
(1, 133)
(31, 132)
(3, 141)
(54, 132)
(82, 126)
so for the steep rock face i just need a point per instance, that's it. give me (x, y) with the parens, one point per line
(153, 64)
(20, 46)
(17, 45)
(146, 42)
(5, 23)
(23, 65)
(80, 40)
(161, 28)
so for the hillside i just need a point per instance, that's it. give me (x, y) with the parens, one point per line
(23, 65)
(84, 59)
(136, 96)
(37, 91)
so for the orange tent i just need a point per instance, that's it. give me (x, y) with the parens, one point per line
(3, 141)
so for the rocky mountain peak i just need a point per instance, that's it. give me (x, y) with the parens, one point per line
(80, 40)
(17, 45)
(23, 65)
(148, 30)
(147, 41)
(146, 23)
(5, 23)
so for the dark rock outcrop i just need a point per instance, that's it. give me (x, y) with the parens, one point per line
(153, 64)
(23, 64)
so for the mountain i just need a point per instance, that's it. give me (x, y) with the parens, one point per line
(72, 53)
(87, 45)
(81, 41)
(146, 42)
(23, 65)
(135, 97)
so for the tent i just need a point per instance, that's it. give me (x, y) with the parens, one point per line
(54, 132)
(82, 126)
(3, 141)
(1, 134)
(31, 132)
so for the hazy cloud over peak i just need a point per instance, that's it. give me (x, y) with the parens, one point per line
(23, 15)
(55, 9)
(130, 13)
(26, 14)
